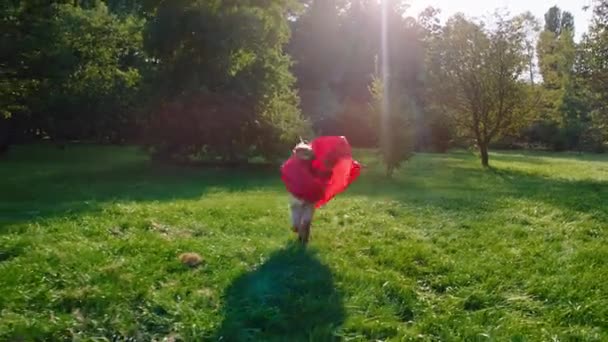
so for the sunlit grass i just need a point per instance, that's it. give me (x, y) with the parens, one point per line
(90, 241)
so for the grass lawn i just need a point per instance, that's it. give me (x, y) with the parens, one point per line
(90, 239)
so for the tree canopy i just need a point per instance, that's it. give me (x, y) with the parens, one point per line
(231, 80)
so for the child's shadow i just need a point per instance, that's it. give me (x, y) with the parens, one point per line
(291, 297)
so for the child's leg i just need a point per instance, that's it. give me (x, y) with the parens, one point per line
(308, 210)
(296, 208)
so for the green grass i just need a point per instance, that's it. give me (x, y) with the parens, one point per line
(90, 239)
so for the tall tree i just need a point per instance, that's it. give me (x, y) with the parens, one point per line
(394, 121)
(433, 128)
(553, 20)
(556, 48)
(567, 22)
(224, 89)
(66, 84)
(556, 56)
(531, 27)
(394, 88)
(478, 78)
(318, 52)
(316, 44)
(334, 46)
(93, 84)
(595, 52)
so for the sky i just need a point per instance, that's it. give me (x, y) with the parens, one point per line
(479, 8)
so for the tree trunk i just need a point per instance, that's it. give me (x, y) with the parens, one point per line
(5, 136)
(389, 172)
(531, 66)
(483, 151)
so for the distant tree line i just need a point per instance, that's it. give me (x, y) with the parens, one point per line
(226, 81)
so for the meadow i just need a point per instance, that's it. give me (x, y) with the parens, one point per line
(90, 239)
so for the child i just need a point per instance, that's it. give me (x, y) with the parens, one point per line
(302, 205)
(313, 175)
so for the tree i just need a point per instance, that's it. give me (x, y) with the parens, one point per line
(531, 28)
(433, 128)
(72, 69)
(394, 123)
(223, 89)
(93, 86)
(595, 54)
(478, 78)
(567, 22)
(14, 87)
(556, 55)
(318, 51)
(553, 20)
(334, 61)
(566, 101)
(316, 44)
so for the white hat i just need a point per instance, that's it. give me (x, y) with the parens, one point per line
(304, 151)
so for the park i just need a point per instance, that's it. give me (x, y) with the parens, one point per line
(446, 250)
(141, 198)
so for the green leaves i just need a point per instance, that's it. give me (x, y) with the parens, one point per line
(74, 69)
(223, 80)
(394, 123)
(478, 72)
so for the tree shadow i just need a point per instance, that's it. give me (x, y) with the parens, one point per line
(454, 183)
(520, 157)
(576, 196)
(291, 297)
(40, 183)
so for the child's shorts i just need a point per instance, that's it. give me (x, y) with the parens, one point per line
(301, 211)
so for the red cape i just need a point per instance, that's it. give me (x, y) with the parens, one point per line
(309, 181)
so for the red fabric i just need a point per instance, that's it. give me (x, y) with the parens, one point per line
(300, 180)
(314, 181)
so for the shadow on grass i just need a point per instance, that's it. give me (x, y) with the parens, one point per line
(576, 196)
(291, 297)
(455, 182)
(38, 182)
(41, 182)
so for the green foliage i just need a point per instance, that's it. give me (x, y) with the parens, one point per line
(558, 22)
(553, 20)
(318, 44)
(434, 129)
(477, 73)
(568, 101)
(443, 251)
(74, 71)
(530, 27)
(322, 106)
(244, 76)
(335, 59)
(595, 54)
(12, 89)
(92, 92)
(394, 122)
(109, 70)
(557, 54)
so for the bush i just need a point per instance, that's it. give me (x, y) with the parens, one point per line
(507, 143)
(219, 128)
(574, 136)
(544, 134)
(592, 140)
